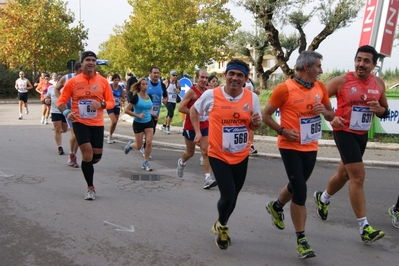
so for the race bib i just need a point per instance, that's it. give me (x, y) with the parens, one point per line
(155, 107)
(117, 101)
(361, 118)
(310, 128)
(84, 109)
(235, 138)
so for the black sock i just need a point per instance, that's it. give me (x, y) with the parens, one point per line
(278, 206)
(88, 172)
(300, 235)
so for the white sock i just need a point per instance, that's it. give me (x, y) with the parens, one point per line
(207, 175)
(362, 223)
(325, 197)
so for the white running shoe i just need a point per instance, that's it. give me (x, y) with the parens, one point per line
(210, 182)
(20, 117)
(110, 140)
(91, 194)
(201, 160)
(142, 152)
(46, 121)
(42, 120)
(180, 168)
(26, 111)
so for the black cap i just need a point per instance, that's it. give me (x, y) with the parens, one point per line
(86, 54)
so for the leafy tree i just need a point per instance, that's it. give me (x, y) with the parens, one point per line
(114, 49)
(37, 35)
(271, 14)
(175, 34)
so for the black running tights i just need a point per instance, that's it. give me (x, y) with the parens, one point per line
(230, 180)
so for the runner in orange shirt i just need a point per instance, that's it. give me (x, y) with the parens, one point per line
(90, 94)
(301, 100)
(233, 111)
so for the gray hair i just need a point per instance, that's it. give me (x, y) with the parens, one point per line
(307, 58)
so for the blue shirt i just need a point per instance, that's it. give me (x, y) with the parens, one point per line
(155, 93)
(142, 106)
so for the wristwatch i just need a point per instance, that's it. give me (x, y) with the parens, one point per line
(103, 104)
(280, 131)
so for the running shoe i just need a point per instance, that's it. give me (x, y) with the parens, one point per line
(210, 183)
(394, 215)
(142, 152)
(128, 146)
(201, 160)
(222, 239)
(42, 120)
(146, 166)
(163, 128)
(322, 208)
(20, 117)
(46, 121)
(304, 250)
(277, 217)
(253, 150)
(91, 194)
(180, 168)
(370, 234)
(110, 140)
(168, 130)
(26, 111)
(72, 161)
(60, 150)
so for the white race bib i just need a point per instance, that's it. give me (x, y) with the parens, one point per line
(235, 138)
(84, 109)
(155, 107)
(361, 118)
(310, 128)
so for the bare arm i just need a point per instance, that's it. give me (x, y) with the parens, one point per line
(58, 87)
(186, 99)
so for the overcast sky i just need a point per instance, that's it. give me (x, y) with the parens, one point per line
(338, 50)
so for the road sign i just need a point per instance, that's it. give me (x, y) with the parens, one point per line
(102, 62)
(185, 85)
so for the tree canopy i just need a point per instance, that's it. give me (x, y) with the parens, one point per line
(37, 35)
(173, 34)
(272, 15)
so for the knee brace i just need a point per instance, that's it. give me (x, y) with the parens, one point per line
(96, 158)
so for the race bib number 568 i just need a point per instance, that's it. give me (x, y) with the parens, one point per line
(235, 138)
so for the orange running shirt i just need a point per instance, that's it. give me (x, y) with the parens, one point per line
(229, 127)
(352, 105)
(83, 91)
(295, 103)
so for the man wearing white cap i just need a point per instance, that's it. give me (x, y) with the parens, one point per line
(173, 90)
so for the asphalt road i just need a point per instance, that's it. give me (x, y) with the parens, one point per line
(44, 219)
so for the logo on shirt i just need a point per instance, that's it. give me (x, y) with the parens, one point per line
(246, 107)
(317, 98)
(95, 88)
(236, 115)
(353, 90)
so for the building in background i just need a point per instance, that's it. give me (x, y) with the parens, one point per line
(269, 61)
(2, 3)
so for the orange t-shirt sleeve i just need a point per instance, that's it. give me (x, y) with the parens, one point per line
(279, 95)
